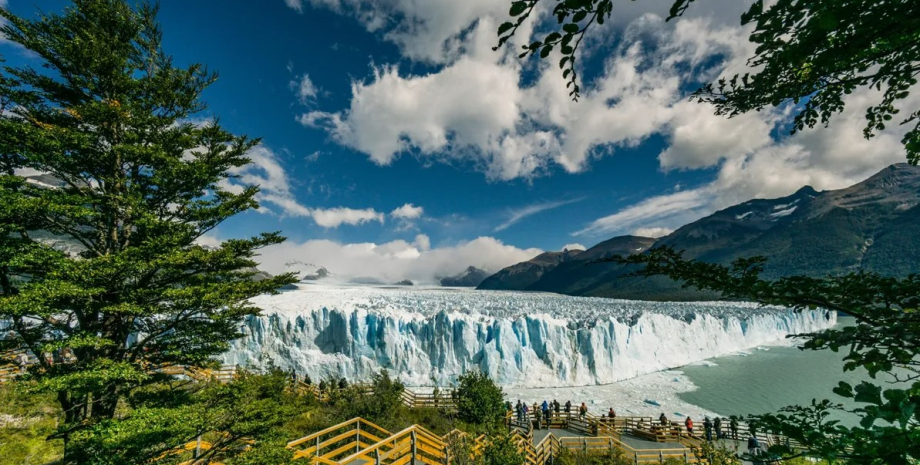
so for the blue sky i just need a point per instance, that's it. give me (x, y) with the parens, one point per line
(396, 143)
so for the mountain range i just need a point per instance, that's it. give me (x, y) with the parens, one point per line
(869, 226)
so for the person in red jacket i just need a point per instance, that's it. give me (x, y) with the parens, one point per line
(689, 424)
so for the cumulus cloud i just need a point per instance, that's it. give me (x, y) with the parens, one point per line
(395, 260)
(407, 212)
(516, 215)
(512, 120)
(825, 158)
(574, 246)
(652, 232)
(475, 109)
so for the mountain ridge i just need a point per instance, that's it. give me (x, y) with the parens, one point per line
(867, 226)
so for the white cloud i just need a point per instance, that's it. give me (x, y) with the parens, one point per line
(575, 246)
(296, 5)
(679, 205)
(486, 109)
(652, 232)
(304, 88)
(276, 195)
(475, 109)
(335, 217)
(519, 214)
(407, 212)
(396, 260)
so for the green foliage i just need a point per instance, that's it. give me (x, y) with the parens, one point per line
(717, 453)
(109, 118)
(577, 457)
(381, 405)
(251, 409)
(501, 450)
(26, 421)
(479, 400)
(883, 343)
(810, 53)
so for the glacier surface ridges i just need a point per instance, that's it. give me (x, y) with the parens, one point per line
(519, 339)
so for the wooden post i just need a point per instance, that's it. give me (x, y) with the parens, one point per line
(358, 437)
(316, 452)
(377, 456)
(584, 446)
(637, 457)
(686, 457)
(414, 447)
(198, 446)
(660, 457)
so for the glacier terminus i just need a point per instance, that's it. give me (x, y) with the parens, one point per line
(430, 336)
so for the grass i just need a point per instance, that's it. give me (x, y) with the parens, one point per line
(26, 421)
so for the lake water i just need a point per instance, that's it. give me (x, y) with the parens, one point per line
(767, 380)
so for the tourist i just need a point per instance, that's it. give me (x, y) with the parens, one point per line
(707, 426)
(556, 407)
(733, 426)
(519, 409)
(538, 414)
(753, 445)
(718, 426)
(583, 410)
(611, 414)
(689, 424)
(526, 410)
(568, 408)
(663, 419)
(752, 428)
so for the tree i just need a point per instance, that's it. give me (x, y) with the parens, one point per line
(136, 183)
(382, 405)
(810, 53)
(479, 400)
(239, 420)
(884, 341)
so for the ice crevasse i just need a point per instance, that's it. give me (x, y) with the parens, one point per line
(519, 339)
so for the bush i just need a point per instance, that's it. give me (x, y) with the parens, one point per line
(501, 451)
(577, 457)
(479, 400)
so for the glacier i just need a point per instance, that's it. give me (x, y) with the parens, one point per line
(430, 336)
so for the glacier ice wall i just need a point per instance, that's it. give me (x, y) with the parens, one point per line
(519, 339)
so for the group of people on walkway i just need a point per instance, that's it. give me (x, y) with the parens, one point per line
(546, 411)
(710, 426)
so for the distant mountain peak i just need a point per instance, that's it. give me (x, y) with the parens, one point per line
(470, 277)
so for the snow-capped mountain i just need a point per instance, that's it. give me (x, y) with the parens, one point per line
(470, 277)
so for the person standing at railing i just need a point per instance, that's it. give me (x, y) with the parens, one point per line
(611, 414)
(663, 419)
(556, 407)
(583, 410)
(538, 415)
(733, 427)
(519, 409)
(718, 426)
(568, 408)
(707, 426)
(689, 424)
